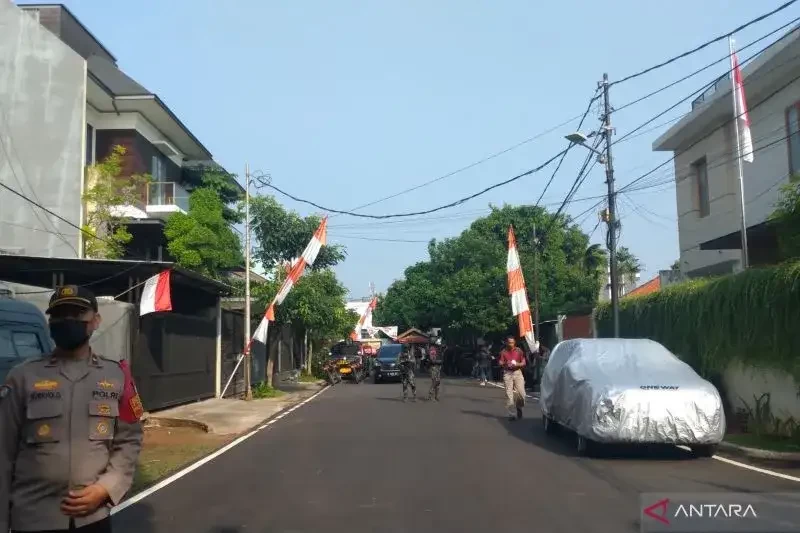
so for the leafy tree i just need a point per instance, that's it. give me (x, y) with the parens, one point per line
(595, 261)
(462, 288)
(676, 265)
(202, 239)
(282, 235)
(316, 305)
(222, 183)
(786, 219)
(627, 263)
(106, 230)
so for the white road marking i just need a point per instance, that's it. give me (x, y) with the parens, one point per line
(207, 459)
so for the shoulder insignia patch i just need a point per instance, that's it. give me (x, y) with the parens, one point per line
(137, 407)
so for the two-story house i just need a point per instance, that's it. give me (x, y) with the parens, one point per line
(105, 108)
(705, 165)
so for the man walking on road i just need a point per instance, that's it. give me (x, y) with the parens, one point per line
(435, 361)
(406, 363)
(69, 428)
(512, 361)
(484, 362)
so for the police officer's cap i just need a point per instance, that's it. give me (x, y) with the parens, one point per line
(73, 295)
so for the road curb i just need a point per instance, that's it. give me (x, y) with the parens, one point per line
(786, 458)
(159, 422)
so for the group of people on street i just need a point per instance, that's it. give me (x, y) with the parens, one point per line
(408, 367)
(70, 431)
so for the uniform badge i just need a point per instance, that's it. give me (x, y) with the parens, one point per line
(43, 431)
(105, 385)
(45, 385)
(67, 291)
(104, 409)
(102, 428)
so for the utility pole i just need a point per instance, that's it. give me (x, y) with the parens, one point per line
(247, 358)
(612, 208)
(536, 284)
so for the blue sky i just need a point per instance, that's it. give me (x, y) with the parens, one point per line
(346, 102)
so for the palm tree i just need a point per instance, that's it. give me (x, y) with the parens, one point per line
(595, 259)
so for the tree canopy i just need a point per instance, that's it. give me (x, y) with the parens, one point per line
(282, 235)
(786, 219)
(202, 239)
(462, 287)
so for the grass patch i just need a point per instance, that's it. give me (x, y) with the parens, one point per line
(765, 442)
(263, 391)
(157, 462)
(308, 378)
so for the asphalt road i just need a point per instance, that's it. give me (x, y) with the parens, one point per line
(357, 459)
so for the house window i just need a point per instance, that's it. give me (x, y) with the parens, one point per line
(89, 144)
(793, 137)
(701, 179)
(159, 169)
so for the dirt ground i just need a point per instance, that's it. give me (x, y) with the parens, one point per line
(165, 450)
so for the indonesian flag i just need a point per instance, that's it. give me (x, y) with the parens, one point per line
(363, 320)
(740, 110)
(295, 272)
(519, 297)
(156, 294)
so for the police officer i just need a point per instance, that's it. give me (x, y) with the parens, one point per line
(69, 428)
(406, 363)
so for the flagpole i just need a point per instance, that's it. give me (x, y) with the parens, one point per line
(248, 389)
(739, 163)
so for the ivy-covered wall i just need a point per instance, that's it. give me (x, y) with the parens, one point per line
(752, 317)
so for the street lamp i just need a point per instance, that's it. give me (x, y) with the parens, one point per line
(579, 138)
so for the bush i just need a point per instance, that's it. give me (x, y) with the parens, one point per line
(752, 317)
(262, 391)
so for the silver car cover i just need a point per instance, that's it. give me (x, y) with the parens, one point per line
(629, 390)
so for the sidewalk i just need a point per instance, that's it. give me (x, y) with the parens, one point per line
(224, 416)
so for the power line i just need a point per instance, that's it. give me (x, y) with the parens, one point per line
(698, 71)
(661, 165)
(425, 212)
(59, 217)
(704, 89)
(583, 118)
(471, 165)
(705, 44)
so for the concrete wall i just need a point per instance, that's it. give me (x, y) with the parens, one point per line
(42, 131)
(746, 383)
(762, 180)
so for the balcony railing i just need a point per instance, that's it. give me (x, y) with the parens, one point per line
(708, 92)
(167, 193)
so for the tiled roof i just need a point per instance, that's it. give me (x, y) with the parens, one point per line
(646, 288)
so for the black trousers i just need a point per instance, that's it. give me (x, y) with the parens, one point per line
(102, 526)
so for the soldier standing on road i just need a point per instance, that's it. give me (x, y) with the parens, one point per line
(406, 363)
(70, 434)
(512, 361)
(435, 361)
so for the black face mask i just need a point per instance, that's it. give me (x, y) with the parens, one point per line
(70, 334)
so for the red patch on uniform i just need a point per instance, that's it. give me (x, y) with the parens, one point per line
(130, 405)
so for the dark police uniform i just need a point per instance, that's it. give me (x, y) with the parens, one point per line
(65, 424)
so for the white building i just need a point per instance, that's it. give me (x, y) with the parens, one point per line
(705, 166)
(64, 104)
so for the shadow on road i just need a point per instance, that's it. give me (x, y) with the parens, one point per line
(564, 442)
(137, 518)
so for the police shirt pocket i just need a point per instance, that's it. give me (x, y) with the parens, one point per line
(44, 421)
(102, 419)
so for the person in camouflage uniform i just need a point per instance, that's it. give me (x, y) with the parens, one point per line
(435, 362)
(406, 363)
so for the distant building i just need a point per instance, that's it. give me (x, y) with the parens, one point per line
(706, 173)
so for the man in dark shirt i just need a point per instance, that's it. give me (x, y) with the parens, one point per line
(435, 361)
(512, 361)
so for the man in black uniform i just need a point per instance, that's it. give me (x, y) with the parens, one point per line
(406, 363)
(435, 362)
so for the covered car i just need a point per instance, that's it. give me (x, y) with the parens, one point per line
(629, 391)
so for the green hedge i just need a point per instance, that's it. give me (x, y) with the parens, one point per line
(753, 316)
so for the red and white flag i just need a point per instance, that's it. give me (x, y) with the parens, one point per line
(519, 296)
(156, 294)
(295, 272)
(363, 320)
(740, 109)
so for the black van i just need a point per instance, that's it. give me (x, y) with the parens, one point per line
(23, 333)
